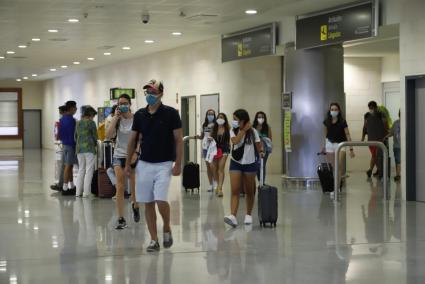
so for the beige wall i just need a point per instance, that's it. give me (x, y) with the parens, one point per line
(391, 68)
(253, 84)
(32, 98)
(362, 78)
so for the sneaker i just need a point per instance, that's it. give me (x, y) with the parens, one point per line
(78, 195)
(375, 174)
(211, 188)
(121, 224)
(86, 196)
(55, 187)
(69, 192)
(168, 240)
(369, 173)
(231, 221)
(248, 220)
(153, 246)
(136, 213)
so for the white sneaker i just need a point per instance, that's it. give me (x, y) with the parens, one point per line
(214, 185)
(248, 220)
(231, 221)
(211, 188)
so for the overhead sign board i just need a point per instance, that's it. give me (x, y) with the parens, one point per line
(353, 22)
(259, 41)
(115, 93)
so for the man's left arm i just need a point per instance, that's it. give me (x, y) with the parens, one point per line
(178, 138)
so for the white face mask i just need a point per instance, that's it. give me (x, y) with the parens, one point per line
(334, 113)
(260, 120)
(220, 121)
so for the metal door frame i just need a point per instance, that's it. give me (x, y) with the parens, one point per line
(410, 117)
(41, 126)
(196, 120)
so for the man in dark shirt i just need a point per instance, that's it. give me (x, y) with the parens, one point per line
(66, 135)
(376, 128)
(160, 131)
(58, 186)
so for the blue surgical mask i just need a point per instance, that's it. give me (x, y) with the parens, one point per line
(210, 118)
(124, 108)
(235, 124)
(151, 99)
(334, 113)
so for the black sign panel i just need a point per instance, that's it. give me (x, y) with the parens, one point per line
(115, 93)
(338, 26)
(255, 42)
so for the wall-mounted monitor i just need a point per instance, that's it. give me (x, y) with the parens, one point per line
(115, 93)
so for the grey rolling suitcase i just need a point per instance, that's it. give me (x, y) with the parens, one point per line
(267, 202)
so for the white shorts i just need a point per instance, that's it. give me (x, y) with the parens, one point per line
(153, 181)
(331, 147)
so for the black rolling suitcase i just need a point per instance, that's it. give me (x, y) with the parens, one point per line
(326, 176)
(191, 175)
(267, 202)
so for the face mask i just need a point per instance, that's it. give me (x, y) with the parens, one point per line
(210, 118)
(334, 113)
(220, 121)
(235, 124)
(124, 108)
(151, 99)
(260, 120)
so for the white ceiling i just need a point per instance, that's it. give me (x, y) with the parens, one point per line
(117, 23)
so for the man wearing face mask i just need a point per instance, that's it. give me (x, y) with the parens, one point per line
(377, 129)
(160, 130)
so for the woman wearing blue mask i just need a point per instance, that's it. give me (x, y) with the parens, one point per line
(207, 127)
(120, 129)
(336, 131)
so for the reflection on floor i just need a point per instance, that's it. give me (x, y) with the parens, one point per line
(47, 238)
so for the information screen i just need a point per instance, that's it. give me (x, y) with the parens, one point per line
(337, 26)
(255, 42)
(115, 93)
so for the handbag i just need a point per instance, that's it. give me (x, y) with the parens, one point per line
(237, 154)
(219, 154)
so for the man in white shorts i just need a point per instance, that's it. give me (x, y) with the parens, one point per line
(159, 129)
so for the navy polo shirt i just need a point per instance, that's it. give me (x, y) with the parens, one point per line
(157, 129)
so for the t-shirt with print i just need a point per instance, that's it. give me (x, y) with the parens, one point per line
(249, 156)
(86, 136)
(206, 131)
(121, 144)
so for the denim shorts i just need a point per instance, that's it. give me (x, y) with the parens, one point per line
(69, 155)
(119, 162)
(397, 156)
(246, 169)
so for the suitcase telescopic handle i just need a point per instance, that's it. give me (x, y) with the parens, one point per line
(261, 172)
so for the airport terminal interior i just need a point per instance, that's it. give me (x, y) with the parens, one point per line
(317, 79)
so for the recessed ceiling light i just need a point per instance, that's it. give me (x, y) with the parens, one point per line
(18, 80)
(53, 31)
(73, 20)
(149, 41)
(53, 69)
(90, 58)
(1, 57)
(36, 39)
(76, 62)
(107, 53)
(251, 12)
(25, 78)
(22, 46)
(176, 33)
(64, 66)
(10, 52)
(34, 75)
(126, 48)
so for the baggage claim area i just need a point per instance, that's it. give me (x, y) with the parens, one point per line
(245, 142)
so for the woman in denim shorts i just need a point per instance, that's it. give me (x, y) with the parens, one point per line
(243, 165)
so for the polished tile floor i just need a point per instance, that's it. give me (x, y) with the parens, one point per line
(47, 238)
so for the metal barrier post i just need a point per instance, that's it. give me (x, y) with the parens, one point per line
(369, 143)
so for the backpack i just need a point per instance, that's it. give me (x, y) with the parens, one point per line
(386, 114)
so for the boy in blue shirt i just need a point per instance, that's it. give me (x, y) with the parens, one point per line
(66, 135)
